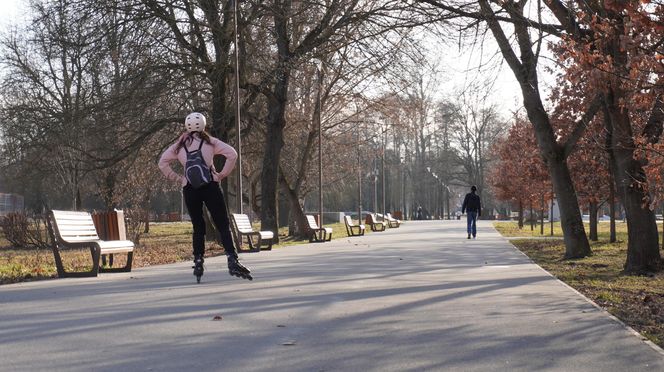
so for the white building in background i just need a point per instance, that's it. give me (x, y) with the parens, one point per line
(10, 203)
(554, 211)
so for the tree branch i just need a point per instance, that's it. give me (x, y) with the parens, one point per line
(566, 18)
(545, 27)
(503, 43)
(655, 124)
(582, 124)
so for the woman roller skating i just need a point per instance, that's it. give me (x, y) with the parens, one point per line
(195, 150)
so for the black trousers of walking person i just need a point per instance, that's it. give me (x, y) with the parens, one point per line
(213, 198)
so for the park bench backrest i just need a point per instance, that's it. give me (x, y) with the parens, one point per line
(242, 223)
(312, 222)
(74, 227)
(349, 221)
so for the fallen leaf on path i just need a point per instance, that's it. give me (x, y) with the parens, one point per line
(217, 317)
(288, 343)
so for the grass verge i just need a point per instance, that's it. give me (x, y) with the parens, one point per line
(636, 300)
(166, 243)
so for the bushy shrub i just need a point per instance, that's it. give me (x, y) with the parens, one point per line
(135, 223)
(24, 231)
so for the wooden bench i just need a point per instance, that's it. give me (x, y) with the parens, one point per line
(242, 228)
(110, 226)
(318, 234)
(351, 227)
(391, 221)
(374, 223)
(77, 230)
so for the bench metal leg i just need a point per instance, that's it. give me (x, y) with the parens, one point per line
(260, 244)
(110, 259)
(76, 274)
(125, 269)
(253, 247)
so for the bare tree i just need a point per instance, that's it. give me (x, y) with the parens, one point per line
(523, 60)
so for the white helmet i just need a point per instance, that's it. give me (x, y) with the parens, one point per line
(195, 122)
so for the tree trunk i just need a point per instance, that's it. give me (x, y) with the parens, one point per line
(520, 214)
(532, 220)
(273, 145)
(270, 174)
(593, 221)
(612, 208)
(525, 71)
(301, 228)
(276, 106)
(144, 213)
(542, 216)
(78, 203)
(146, 221)
(551, 212)
(576, 242)
(643, 240)
(630, 179)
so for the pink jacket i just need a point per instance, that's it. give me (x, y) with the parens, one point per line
(209, 150)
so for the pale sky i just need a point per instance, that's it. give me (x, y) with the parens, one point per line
(9, 10)
(454, 63)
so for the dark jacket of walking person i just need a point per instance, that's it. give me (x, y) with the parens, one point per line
(473, 206)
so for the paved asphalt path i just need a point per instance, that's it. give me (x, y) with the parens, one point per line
(417, 298)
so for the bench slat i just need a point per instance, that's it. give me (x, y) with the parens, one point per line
(74, 223)
(68, 217)
(76, 227)
(116, 244)
(80, 233)
(78, 240)
(91, 237)
(266, 234)
(243, 226)
(312, 222)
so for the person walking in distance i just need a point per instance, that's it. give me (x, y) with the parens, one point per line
(473, 206)
(195, 150)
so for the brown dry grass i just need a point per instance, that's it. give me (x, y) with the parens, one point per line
(166, 243)
(636, 300)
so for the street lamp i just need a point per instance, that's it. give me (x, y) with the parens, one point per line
(402, 185)
(447, 201)
(319, 109)
(384, 128)
(359, 177)
(237, 112)
(374, 173)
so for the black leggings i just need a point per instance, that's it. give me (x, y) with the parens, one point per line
(213, 198)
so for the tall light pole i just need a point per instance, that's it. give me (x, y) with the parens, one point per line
(402, 186)
(375, 179)
(237, 113)
(383, 172)
(359, 176)
(319, 108)
(447, 202)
